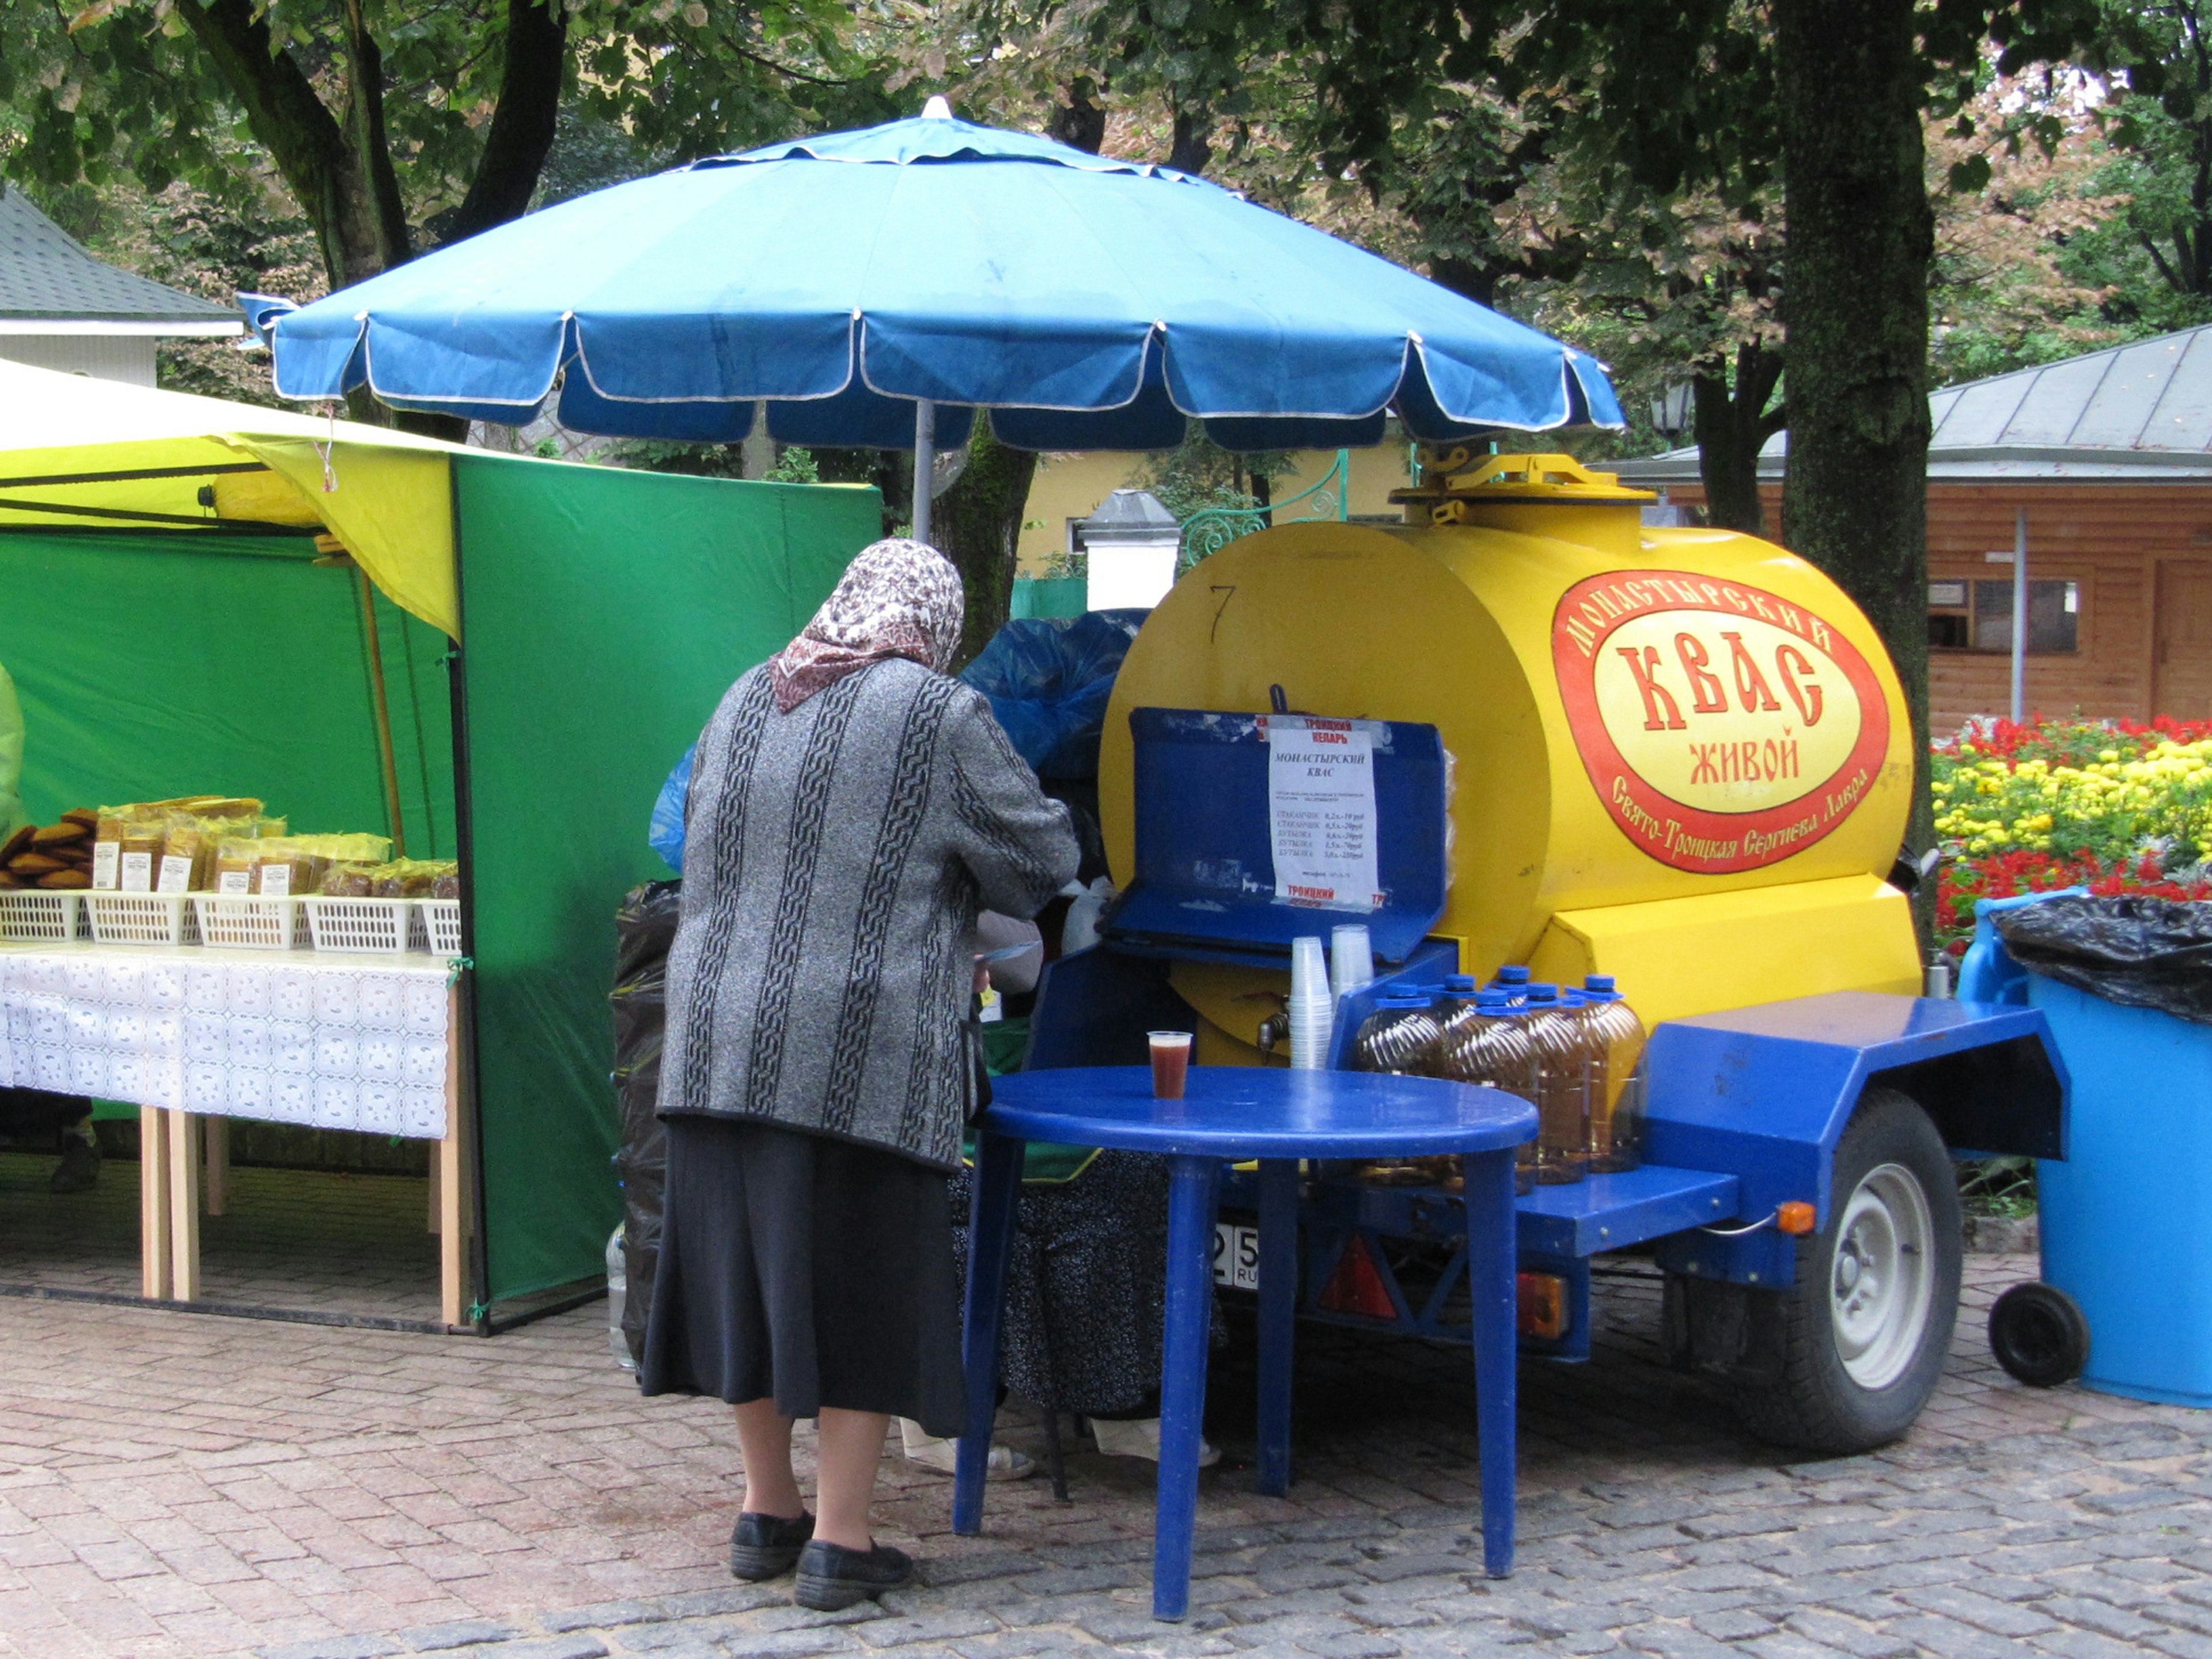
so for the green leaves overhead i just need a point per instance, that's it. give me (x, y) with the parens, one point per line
(238, 95)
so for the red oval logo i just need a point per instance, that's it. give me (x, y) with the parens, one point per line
(1724, 727)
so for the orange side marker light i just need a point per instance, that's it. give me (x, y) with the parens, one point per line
(1543, 1306)
(1795, 1216)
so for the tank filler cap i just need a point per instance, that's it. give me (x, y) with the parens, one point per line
(1457, 473)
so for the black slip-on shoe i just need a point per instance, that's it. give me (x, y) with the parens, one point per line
(831, 1576)
(767, 1546)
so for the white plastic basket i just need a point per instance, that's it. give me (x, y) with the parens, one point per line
(441, 922)
(38, 917)
(240, 921)
(371, 926)
(142, 918)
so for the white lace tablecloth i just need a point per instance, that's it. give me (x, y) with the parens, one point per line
(287, 1036)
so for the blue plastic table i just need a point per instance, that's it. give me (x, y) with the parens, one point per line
(1231, 1114)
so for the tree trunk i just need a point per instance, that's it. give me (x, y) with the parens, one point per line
(342, 181)
(1193, 140)
(1731, 426)
(521, 133)
(977, 524)
(1855, 301)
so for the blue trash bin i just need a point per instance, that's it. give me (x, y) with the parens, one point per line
(2123, 1217)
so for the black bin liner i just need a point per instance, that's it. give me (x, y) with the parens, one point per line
(645, 928)
(2139, 951)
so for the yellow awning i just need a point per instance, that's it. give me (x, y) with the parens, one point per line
(85, 452)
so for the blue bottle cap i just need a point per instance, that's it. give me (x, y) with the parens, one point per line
(1543, 996)
(1460, 984)
(1492, 1002)
(1513, 974)
(1597, 982)
(1401, 999)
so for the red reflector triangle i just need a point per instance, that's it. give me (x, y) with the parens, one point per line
(1357, 1287)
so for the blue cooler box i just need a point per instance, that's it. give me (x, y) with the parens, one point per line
(2125, 1218)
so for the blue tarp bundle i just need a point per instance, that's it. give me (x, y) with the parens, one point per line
(1048, 680)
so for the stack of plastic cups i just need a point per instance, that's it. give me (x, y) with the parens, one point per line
(1313, 1005)
(1351, 958)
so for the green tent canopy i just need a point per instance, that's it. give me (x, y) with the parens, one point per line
(188, 634)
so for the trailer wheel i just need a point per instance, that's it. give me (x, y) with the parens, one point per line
(1864, 1332)
(2037, 1334)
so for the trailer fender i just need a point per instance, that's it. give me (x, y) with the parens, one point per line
(1764, 1093)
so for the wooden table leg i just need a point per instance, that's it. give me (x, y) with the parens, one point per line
(214, 1134)
(997, 1190)
(1278, 1310)
(452, 1224)
(435, 1217)
(1183, 1377)
(1492, 1291)
(185, 1205)
(153, 1203)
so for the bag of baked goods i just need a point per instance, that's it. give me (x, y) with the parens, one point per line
(411, 878)
(280, 868)
(140, 831)
(351, 879)
(235, 857)
(192, 837)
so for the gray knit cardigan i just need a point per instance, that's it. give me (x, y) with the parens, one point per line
(834, 862)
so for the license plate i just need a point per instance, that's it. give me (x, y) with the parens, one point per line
(1236, 1257)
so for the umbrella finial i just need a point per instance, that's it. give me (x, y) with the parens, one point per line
(936, 109)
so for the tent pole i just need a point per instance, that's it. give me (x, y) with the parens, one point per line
(925, 466)
(383, 713)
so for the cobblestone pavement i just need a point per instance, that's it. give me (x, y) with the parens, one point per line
(173, 1487)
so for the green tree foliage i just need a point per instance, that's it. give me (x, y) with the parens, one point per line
(2155, 57)
(397, 124)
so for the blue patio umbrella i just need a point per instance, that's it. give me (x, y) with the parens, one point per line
(876, 288)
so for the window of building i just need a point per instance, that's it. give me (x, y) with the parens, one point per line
(1977, 616)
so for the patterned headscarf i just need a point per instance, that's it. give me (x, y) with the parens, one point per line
(898, 598)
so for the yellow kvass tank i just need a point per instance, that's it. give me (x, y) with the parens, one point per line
(1680, 756)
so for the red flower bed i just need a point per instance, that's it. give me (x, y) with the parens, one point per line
(2002, 875)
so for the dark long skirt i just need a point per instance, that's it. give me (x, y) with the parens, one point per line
(1087, 1286)
(809, 1271)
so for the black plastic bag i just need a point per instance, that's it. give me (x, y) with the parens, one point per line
(1048, 680)
(645, 928)
(2142, 952)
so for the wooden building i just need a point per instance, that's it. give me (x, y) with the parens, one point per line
(2109, 457)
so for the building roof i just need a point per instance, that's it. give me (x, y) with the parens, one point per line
(2140, 412)
(50, 285)
(1130, 515)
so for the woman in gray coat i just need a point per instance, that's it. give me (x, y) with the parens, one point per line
(851, 809)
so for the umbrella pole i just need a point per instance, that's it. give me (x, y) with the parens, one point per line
(925, 466)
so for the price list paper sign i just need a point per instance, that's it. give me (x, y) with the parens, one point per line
(1321, 810)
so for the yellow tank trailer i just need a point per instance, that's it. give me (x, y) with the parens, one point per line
(1681, 755)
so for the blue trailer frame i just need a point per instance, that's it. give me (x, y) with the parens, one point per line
(1745, 1111)
(1745, 1108)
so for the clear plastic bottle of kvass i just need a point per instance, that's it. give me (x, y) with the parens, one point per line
(1614, 1065)
(1513, 980)
(1491, 1045)
(1402, 1035)
(1555, 1032)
